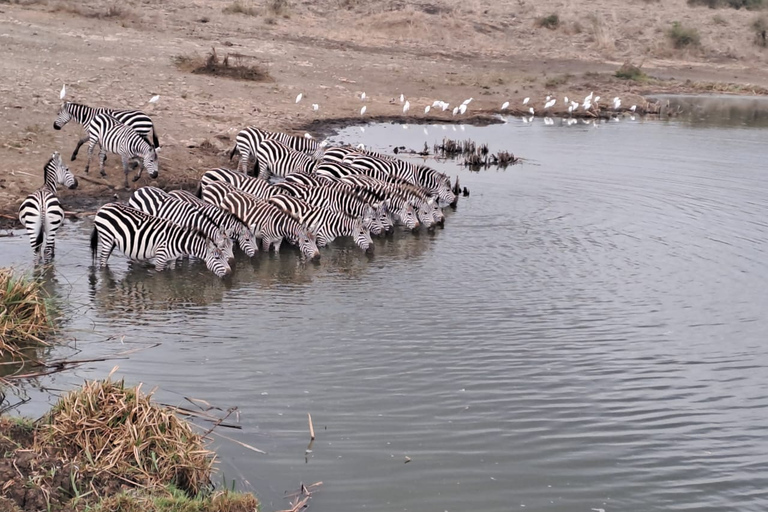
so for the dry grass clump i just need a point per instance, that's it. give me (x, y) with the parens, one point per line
(241, 7)
(551, 22)
(106, 428)
(114, 11)
(24, 312)
(233, 65)
(683, 37)
(760, 26)
(629, 71)
(750, 5)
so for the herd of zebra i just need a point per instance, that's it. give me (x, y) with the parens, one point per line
(285, 188)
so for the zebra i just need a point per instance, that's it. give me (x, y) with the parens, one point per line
(427, 210)
(276, 158)
(343, 200)
(143, 237)
(336, 170)
(231, 225)
(41, 212)
(83, 114)
(248, 140)
(270, 222)
(253, 186)
(328, 225)
(158, 203)
(341, 154)
(433, 182)
(111, 135)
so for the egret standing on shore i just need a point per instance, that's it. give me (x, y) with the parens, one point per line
(505, 105)
(362, 110)
(406, 107)
(298, 98)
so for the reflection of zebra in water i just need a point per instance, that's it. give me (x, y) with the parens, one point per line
(113, 136)
(41, 212)
(83, 115)
(143, 237)
(158, 203)
(231, 225)
(248, 140)
(268, 222)
(275, 158)
(326, 224)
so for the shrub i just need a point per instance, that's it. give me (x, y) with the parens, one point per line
(683, 37)
(24, 312)
(240, 7)
(760, 26)
(551, 22)
(629, 71)
(750, 5)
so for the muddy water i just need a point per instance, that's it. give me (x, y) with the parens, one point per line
(588, 331)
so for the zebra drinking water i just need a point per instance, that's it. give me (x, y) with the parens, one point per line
(231, 225)
(113, 136)
(41, 212)
(248, 140)
(158, 203)
(83, 115)
(276, 158)
(143, 237)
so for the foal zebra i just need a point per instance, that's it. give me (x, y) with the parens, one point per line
(113, 136)
(231, 225)
(327, 225)
(83, 115)
(275, 158)
(269, 223)
(158, 203)
(41, 212)
(248, 140)
(143, 237)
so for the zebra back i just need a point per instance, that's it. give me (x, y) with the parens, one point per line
(253, 186)
(277, 158)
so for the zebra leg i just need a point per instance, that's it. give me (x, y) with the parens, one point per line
(106, 246)
(265, 244)
(277, 245)
(242, 166)
(36, 233)
(126, 169)
(140, 165)
(102, 161)
(77, 148)
(90, 155)
(50, 247)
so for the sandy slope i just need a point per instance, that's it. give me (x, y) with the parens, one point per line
(120, 54)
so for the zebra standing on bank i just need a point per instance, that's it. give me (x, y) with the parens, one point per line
(270, 222)
(159, 203)
(113, 136)
(231, 225)
(327, 225)
(278, 159)
(41, 212)
(248, 140)
(83, 115)
(143, 237)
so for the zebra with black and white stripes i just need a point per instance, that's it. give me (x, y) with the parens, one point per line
(269, 222)
(113, 136)
(240, 181)
(327, 225)
(143, 237)
(338, 170)
(231, 225)
(248, 140)
(83, 115)
(278, 159)
(41, 211)
(159, 203)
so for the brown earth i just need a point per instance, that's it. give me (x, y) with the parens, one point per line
(119, 54)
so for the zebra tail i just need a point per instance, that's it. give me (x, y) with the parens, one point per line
(199, 190)
(94, 242)
(256, 168)
(232, 153)
(40, 234)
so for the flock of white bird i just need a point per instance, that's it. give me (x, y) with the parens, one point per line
(590, 103)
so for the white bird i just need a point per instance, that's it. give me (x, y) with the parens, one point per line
(455, 110)
(402, 98)
(298, 98)
(154, 98)
(426, 109)
(467, 101)
(597, 98)
(575, 104)
(63, 92)
(361, 146)
(565, 100)
(315, 106)
(426, 132)
(362, 96)
(525, 119)
(445, 106)
(570, 109)
(548, 98)
(616, 103)
(530, 110)
(505, 105)
(362, 129)
(462, 108)
(437, 103)
(362, 110)
(406, 107)
(633, 107)
(308, 136)
(589, 97)
(526, 100)
(550, 104)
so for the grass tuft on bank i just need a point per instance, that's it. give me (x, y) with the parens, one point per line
(25, 317)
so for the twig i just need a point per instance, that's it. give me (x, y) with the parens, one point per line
(244, 445)
(311, 428)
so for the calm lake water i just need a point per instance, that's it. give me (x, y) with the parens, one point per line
(588, 331)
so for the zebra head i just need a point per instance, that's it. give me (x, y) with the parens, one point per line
(150, 162)
(437, 213)
(215, 260)
(383, 216)
(362, 236)
(245, 239)
(224, 243)
(306, 241)
(407, 215)
(64, 116)
(424, 213)
(57, 172)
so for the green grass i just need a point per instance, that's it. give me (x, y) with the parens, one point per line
(25, 316)
(171, 499)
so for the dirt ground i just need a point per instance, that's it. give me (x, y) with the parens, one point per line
(120, 54)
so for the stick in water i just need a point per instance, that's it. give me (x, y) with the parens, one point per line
(311, 428)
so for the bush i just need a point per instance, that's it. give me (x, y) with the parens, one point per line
(24, 312)
(551, 22)
(629, 71)
(683, 37)
(760, 26)
(750, 5)
(240, 7)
